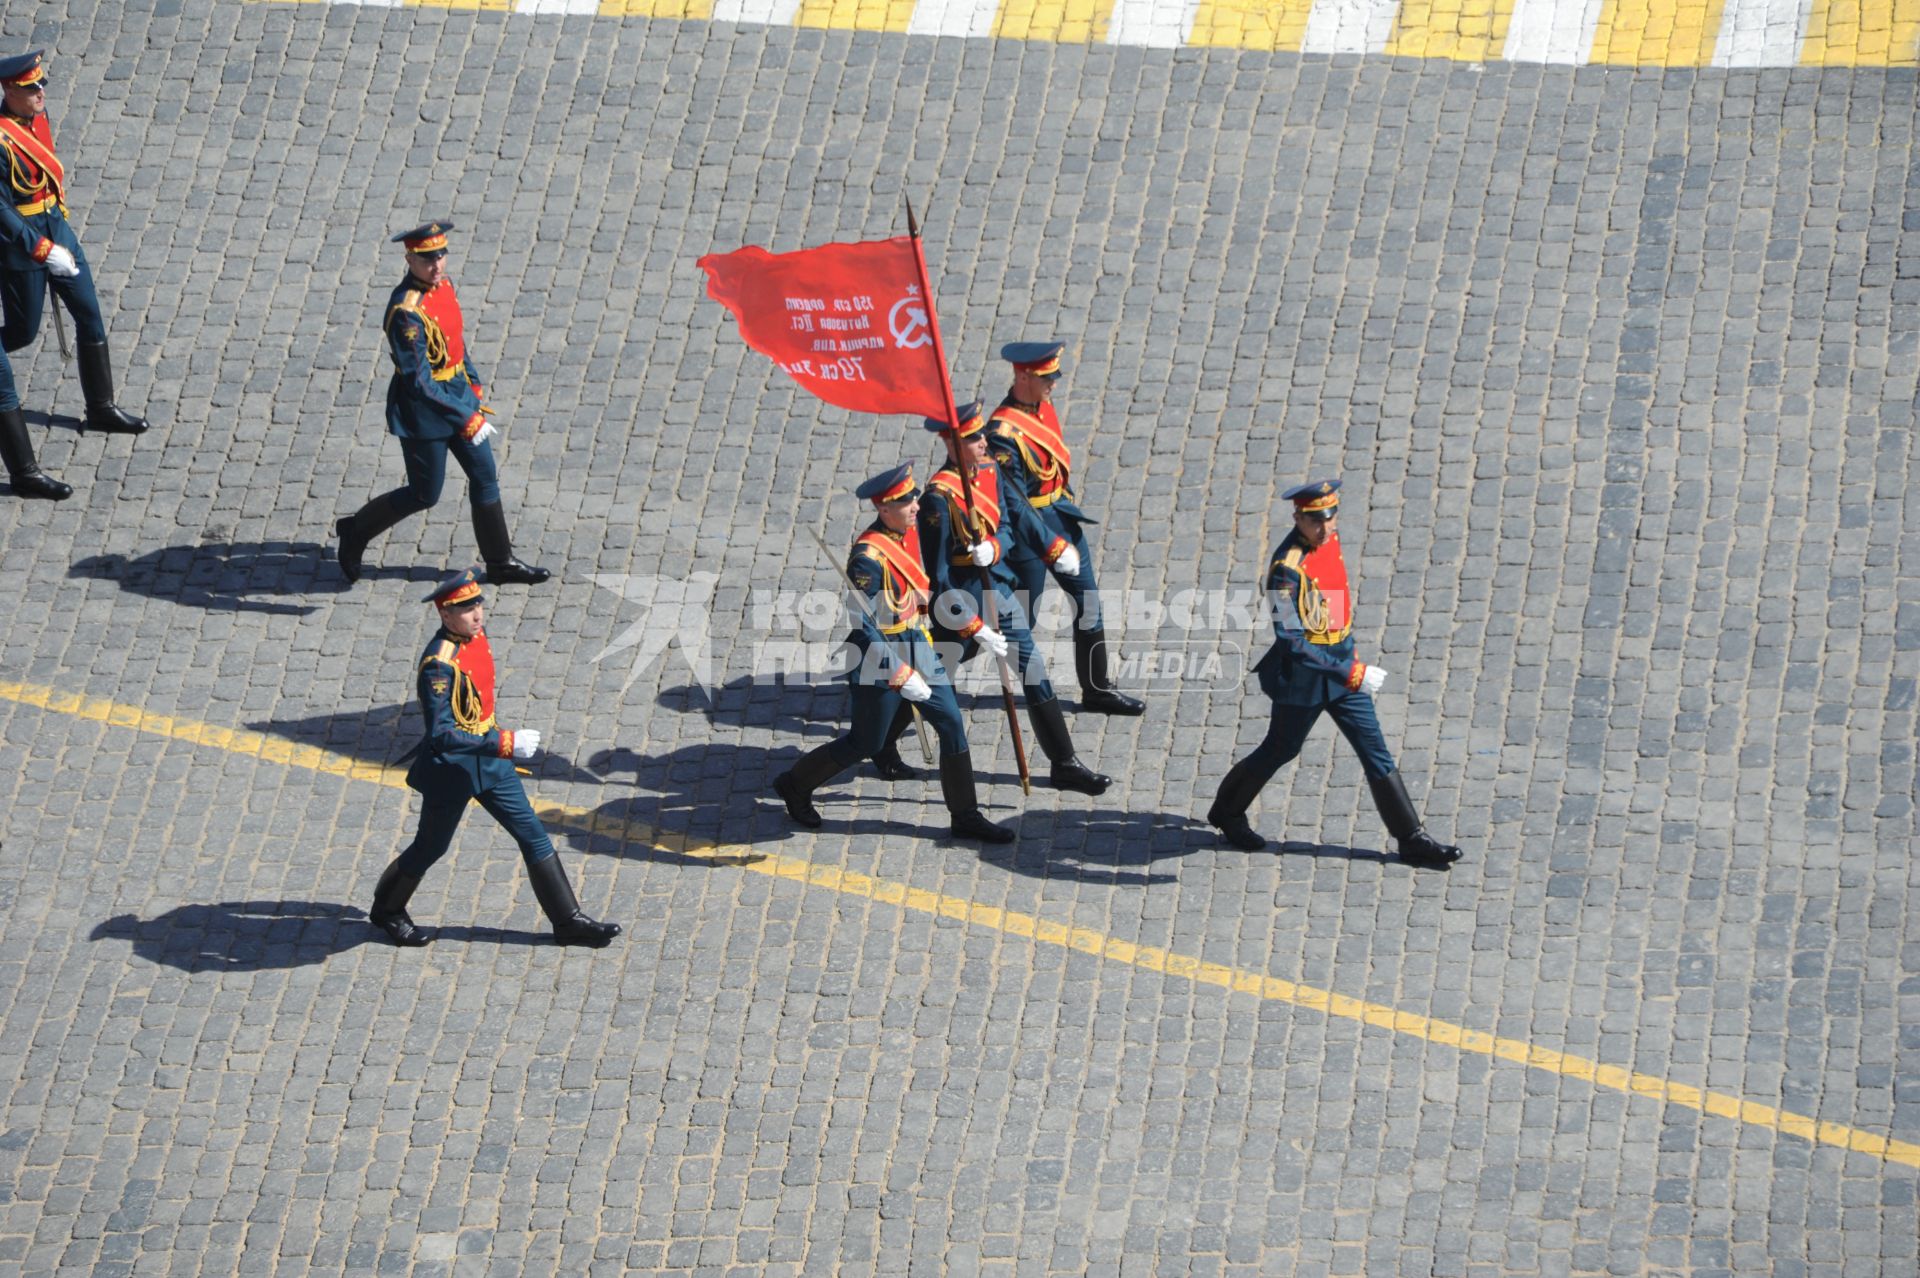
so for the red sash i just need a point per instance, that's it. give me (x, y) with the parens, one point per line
(442, 305)
(474, 658)
(986, 496)
(33, 143)
(1325, 574)
(901, 555)
(1042, 430)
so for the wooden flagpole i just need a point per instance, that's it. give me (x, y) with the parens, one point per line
(987, 596)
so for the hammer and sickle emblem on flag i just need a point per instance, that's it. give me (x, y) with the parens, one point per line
(908, 323)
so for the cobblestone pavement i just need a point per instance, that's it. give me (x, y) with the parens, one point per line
(1619, 367)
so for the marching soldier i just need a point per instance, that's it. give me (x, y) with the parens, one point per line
(961, 546)
(434, 407)
(38, 248)
(467, 756)
(1027, 443)
(16, 450)
(1311, 669)
(896, 665)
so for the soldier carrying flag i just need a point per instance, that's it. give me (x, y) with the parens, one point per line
(895, 664)
(1030, 448)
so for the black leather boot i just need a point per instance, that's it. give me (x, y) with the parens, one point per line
(496, 548)
(389, 909)
(888, 762)
(17, 452)
(361, 527)
(1417, 847)
(795, 788)
(555, 894)
(1228, 814)
(1050, 730)
(96, 384)
(1097, 693)
(963, 802)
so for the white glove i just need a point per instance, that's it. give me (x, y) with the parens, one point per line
(982, 553)
(1068, 564)
(1370, 681)
(992, 640)
(485, 433)
(526, 742)
(915, 689)
(61, 263)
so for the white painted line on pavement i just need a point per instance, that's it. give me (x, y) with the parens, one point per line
(1349, 26)
(774, 13)
(1155, 24)
(969, 18)
(1552, 30)
(1760, 33)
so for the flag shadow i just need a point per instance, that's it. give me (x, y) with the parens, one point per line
(793, 707)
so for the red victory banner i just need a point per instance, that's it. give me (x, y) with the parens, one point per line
(849, 322)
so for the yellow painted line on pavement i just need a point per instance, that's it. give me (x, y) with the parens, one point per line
(1862, 33)
(860, 15)
(681, 10)
(1672, 33)
(244, 741)
(1274, 25)
(1061, 21)
(1464, 30)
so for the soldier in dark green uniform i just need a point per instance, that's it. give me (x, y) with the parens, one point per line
(1310, 671)
(467, 757)
(1030, 447)
(969, 526)
(38, 252)
(435, 407)
(894, 664)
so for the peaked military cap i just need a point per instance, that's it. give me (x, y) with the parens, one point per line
(970, 416)
(1321, 494)
(889, 485)
(430, 238)
(24, 69)
(1042, 359)
(457, 590)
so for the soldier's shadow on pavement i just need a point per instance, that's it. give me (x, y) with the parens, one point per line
(238, 576)
(53, 421)
(385, 735)
(719, 794)
(793, 707)
(254, 936)
(1326, 852)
